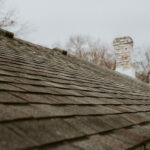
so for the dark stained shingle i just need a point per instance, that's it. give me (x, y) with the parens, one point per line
(50, 100)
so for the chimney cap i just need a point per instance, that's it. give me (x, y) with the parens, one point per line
(123, 40)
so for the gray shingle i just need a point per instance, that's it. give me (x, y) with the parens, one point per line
(53, 101)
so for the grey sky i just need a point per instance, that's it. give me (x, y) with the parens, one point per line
(56, 20)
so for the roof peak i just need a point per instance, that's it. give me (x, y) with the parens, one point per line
(6, 33)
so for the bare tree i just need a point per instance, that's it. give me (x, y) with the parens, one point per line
(91, 50)
(142, 68)
(6, 17)
(10, 20)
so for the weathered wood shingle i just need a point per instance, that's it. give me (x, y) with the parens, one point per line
(51, 100)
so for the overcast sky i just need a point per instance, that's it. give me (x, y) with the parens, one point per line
(56, 20)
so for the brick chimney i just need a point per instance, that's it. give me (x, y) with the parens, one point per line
(123, 49)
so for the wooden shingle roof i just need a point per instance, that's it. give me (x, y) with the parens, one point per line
(53, 101)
